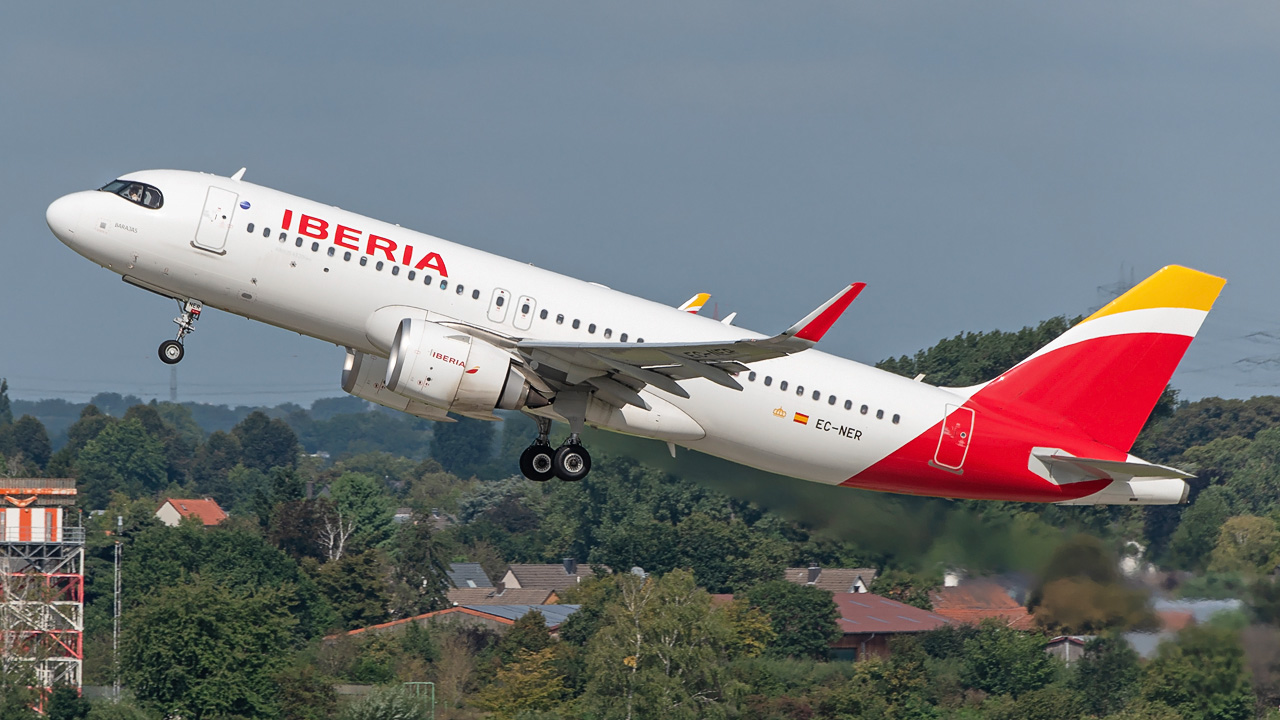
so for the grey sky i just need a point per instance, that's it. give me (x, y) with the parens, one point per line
(981, 166)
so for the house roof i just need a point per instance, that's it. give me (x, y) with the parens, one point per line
(468, 575)
(552, 577)
(506, 596)
(833, 580)
(206, 510)
(973, 601)
(553, 616)
(862, 613)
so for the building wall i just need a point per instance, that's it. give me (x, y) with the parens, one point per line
(168, 515)
(861, 646)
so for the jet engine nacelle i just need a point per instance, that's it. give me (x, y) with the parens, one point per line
(365, 376)
(452, 370)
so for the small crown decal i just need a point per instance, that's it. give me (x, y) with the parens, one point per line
(779, 412)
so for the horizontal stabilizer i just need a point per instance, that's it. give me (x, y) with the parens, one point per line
(1093, 469)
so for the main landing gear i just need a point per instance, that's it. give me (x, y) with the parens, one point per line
(569, 462)
(171, 351)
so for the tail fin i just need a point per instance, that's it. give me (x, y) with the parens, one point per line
(1105, 375)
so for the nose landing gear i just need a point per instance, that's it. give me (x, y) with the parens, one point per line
(569, 462)
(171, 351)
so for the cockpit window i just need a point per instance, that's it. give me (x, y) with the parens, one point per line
(135, 192)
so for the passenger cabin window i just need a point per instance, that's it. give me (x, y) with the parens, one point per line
(751, 376)
(576, 323)
(879, 414)
(848, 404)
(249, 227)
(623, 338)
(138, 193)
(768, 380)
(782, 385)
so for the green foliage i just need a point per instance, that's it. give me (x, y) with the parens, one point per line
(203, 649)
(803, 618)
(1203, 421)
(123, 457)
(528, 682)
(1246, 545)
(356, 586)
(234, 557)
(906, 587)
(971, 358)
(388, 703)
(1198, 531)
(1201, 675)
(1107, 676)
(528, 634)
(464, 447)
(6, 410)
(65, 703)
(26, 440)
(1001, 661)
(660, 653)
(266, 443)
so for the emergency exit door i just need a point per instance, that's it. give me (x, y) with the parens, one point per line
(953, 442)
(215, 220)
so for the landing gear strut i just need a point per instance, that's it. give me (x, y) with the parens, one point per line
(569, 462)
(171, 351)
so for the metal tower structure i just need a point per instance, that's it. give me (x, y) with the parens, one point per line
(41, 582)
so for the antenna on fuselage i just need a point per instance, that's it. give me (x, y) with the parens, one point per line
(239, 174)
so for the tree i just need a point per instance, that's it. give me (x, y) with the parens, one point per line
(970, 358)
(388, 703)
(231, 556)
(65, 703)
(420, 567)
(213, 462)
(1246, 544)
(660, 653)
(356, 586)
(462, 447)
(1107, 676)
(6, 412)
(266, 443)
(124, 458)
(364, 500)
(26, 439)
(1198, 530)
(203, 649)
(1081, 591)
(528, 683)
(803, 618)
(1201, 675)
(1002, 661)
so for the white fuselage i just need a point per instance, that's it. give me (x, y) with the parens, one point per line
(330, 287)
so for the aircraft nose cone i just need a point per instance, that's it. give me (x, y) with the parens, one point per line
(63, 216)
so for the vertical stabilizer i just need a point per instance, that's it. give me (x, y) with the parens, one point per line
(1104, 375)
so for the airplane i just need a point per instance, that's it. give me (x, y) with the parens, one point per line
(433, 328)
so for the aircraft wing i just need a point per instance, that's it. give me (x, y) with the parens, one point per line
(618, 370)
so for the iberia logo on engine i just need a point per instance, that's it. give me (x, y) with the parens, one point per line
(353, 239)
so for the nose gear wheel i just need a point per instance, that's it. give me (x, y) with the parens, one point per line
(171, 351)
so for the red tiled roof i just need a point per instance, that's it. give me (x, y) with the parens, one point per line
(1175, 620)
(206, 510)
(978, 600)
(866, 613)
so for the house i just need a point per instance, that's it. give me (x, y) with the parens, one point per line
(550, 577)
(502, 595)
(468, 575)
(496, 617)
(1068, 648)
(867, 622)
(206, 510)
(973, 601)
(833, 580)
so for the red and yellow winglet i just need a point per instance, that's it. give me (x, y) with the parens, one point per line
(817, 323)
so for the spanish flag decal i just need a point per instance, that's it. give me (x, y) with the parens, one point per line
(801, 418)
